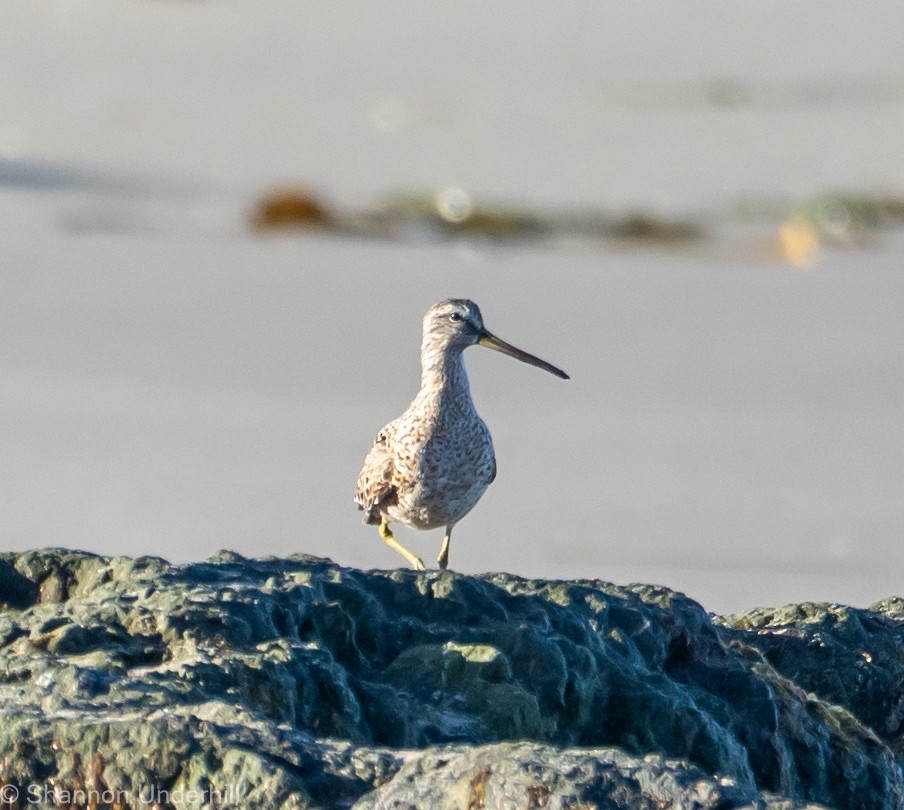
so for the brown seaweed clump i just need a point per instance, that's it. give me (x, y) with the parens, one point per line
(290, 208)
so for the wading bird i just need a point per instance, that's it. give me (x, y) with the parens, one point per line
(429, 467)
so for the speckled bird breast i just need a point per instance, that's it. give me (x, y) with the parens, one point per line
(443, 466)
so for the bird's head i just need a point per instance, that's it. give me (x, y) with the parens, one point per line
(456, 323)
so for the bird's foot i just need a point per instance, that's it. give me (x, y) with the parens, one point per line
(389, 538)
(443, 558)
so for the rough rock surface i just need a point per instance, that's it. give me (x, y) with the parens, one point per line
(291, 683)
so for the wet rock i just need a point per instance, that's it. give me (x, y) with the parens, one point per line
(16, 590)
(530, 775)
(298, 683)
(848, 657)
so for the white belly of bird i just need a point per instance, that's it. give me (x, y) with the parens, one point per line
(432, 504)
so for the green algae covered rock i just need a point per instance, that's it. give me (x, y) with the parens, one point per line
(291, 683)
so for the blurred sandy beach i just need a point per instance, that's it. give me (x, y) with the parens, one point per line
(173, 381)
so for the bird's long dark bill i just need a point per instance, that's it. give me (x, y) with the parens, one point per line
(492, 342)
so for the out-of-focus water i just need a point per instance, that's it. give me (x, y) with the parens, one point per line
(673, 104)
(172, 384)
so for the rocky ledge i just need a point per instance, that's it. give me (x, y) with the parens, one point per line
(295, 683)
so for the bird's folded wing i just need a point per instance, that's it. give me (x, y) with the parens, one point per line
(376, 481)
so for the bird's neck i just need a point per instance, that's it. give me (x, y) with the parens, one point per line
(443, 376)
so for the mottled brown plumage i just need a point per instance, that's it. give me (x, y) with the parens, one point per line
(429, 467)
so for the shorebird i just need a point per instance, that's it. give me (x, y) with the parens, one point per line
(429, 467)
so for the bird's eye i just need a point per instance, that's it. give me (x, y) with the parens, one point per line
(454, 316)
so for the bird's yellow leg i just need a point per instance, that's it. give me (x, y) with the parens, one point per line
(389, 538)
(443, 558)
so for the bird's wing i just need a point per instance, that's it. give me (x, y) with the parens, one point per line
(376, 485)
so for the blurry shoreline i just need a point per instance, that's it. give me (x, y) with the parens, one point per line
(791, 230)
